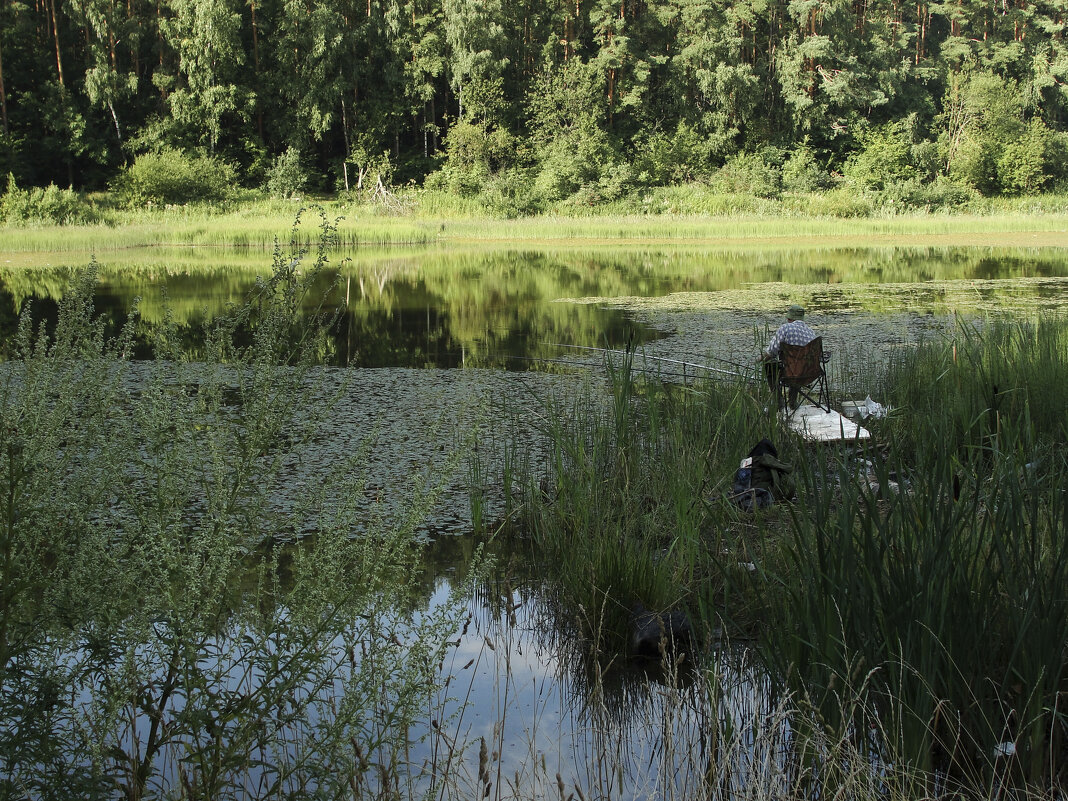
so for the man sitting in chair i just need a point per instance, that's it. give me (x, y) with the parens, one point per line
(795, 331)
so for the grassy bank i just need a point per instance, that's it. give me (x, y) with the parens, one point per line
(916, 586)
(421, 218)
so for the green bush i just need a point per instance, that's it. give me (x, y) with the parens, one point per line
(976, 165)
(1022, 166)
(615, 183)
(988, 142)
(571, 161)
(174, 176)
(509, 193)
(474, 153)
(843, 201)
(749, 174)
(913, 194)
(50, 205)
(885, 157)
(287, 176)
(670, 159)
(801, 173)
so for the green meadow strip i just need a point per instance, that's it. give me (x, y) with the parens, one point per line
(262, 224)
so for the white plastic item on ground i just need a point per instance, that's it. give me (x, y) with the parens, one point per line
(818, 425)
(874, 409)
(1005, 749)
(865, 409)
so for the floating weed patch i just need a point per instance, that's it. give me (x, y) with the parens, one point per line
(1030, 294)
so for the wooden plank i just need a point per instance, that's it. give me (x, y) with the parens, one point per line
(819, 425)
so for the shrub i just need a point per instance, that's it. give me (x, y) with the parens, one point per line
(509, 193)
(1022, 167)
(616, 182)
(1057, 157)
(474, 152)
(50, 205)
(801, 173)
(562, 171)
(663, 159)
(287, 176)
(174, 176)
(572, 160)
(842, 201)
(976, 164)
(889, 154)
(748, 173)
(987, 141)
(918, 194)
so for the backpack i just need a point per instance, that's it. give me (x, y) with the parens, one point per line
(761, 479)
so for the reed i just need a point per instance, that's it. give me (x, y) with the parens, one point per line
(969, 384)
(914, 591)
(258, 223)
(944, 597)
(631, 507)
(944, 602)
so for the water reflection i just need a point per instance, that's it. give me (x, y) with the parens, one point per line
(514, 717)
(436, 307)
(555, 720)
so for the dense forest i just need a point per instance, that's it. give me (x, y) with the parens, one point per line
(554, 98)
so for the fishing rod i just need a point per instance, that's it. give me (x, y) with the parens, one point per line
(741, 365)
(655, 358)
(589, 366)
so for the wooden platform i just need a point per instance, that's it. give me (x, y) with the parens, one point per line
(819, 425)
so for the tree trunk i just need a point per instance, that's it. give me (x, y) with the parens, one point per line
(55, 33)
(255, 38)
(115, 119)
(434, 120)
(161, 45)
(345, 136)
(3, 97)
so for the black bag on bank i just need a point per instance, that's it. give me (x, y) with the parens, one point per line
(761, 479)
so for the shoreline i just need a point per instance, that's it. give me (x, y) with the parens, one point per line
(364, 226)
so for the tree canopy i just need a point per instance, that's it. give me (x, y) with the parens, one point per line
(562, 96)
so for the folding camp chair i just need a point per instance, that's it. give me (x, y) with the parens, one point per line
(802, 372)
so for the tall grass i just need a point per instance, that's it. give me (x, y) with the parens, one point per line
(945, 599)
(948, 611)
(622, 515)
(258, 227)
(258, 223)
(913, 599)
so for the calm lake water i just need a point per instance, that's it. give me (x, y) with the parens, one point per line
(436, 307)
(526, 689)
